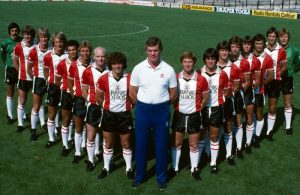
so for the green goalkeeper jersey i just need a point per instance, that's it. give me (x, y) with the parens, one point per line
(293, 57)
(7, 49)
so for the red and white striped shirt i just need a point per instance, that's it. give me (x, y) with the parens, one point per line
(278, 55)
(116, 92)
(190, 93)
(254, 65)
(36, 57)
(90, 77)
(217, 82)
(266, 64)
(75, 73)
(22, 51)
(243, 65)
(233, 74)
(62, 70)
(51, 61)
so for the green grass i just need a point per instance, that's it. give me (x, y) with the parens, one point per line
(28, 168)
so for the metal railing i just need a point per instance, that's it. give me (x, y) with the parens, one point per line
(280, 5)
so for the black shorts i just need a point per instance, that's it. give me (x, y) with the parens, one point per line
(53, 96)
(287, 86)
(239, 104)
(66, 101)
(229, 110)
(93, 115)
(24, 85)
(79, 107)
(116, 122)
(249, 98)
(186, 122)
(39, 86)
(259, 100)
(11, 75)
(213, 116)
(273, 89)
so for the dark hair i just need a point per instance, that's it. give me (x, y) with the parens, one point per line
(247, 39)
(189, 55)
(153, 41)
(259, 37)
(12, 26)
(223, 45)
(210, 53)
(272, 29)
(72, 43)
(235, 40)
(116, 58)
(29, 30)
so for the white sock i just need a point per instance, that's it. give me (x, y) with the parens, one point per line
(214, 150)
(90, 147)
(194, 157)
(288, 117)
(176, 153)
(20, 114)
(127, 155)
(51, 129)
(97, 144)
(24, 115)
(83, 143)
(78, 140)
(249, 133)
(201, 145)
(228, 143)
(107, 155)
(239, 137)
(34, 119)
(271, 122)
(64, 136)
(10, 106)
(259, 127)
(70, 131)
(42, 115)
(207, 144)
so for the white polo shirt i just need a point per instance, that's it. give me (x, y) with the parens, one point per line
(153, 84)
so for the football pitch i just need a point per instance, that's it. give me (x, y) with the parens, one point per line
(28, 168)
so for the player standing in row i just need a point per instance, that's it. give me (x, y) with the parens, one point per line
(233, 73)
(249, 95)
(267, 75)
(35, 71)
(66, 101)
(90, 77)
(11, 74)
(192, 97)
(239, 102)
(20, 61)
(213, 116)
(113, 95)
(278, 55)
(79, 108)
(287, 77)
(51, 61)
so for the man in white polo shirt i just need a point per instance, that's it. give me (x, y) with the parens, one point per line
(153, 86)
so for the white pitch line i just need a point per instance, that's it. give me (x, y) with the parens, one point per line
(146, 28)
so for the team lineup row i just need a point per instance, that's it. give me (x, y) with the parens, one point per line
(97, 96)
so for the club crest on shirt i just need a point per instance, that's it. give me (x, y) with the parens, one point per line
(162, 75)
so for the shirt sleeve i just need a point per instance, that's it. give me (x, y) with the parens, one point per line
(17, 50)
(71, 71)
(173, 79)
(134, 80)
(297, 60)
(3, 51)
